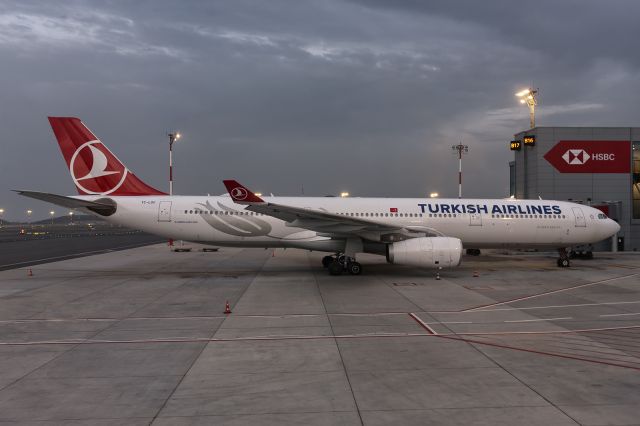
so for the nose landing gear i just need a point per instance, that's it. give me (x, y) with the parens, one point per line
(563, 261)
(340, 263)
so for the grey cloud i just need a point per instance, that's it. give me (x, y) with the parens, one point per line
(333, 95)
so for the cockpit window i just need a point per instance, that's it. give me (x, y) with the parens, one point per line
(602, 216)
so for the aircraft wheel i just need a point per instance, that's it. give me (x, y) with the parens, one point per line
(564, 263)
(354, 268)
(589, 255)
(327, 260)
(335, 268)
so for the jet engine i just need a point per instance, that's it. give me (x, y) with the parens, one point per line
(426, 252)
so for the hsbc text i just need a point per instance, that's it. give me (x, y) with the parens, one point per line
(604, 157)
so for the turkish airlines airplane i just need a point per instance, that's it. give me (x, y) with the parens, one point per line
(417, 232)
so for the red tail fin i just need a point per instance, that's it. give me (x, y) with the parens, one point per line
(94, 169)
(240, 194)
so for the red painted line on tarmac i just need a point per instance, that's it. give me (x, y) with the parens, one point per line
(423, 324)
(537, 352)
(545, 293)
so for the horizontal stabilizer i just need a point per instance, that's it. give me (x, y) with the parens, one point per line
(102, 206)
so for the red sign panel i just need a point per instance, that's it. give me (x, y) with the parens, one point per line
(591, 156)
(393, 210)
(604, 209)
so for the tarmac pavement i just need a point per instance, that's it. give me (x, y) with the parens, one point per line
(139, 337)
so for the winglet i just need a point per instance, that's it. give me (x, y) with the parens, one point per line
(240, 194)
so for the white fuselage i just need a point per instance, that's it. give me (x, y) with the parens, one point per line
(478, 223)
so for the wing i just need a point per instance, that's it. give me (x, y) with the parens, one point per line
(102, 206)
(323, 222)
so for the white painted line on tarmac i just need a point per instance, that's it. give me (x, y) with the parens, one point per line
(551, 307)
(311, 337)
(547, 293)
(503, 333)
(104, 251)
(620, 315)
(27, 321)
(540, 319)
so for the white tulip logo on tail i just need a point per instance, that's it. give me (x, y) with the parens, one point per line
(239, 193)
(95, 170)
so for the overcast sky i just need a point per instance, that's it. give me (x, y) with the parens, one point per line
(364, 96)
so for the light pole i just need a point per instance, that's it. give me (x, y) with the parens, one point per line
(1, 214)
(29, 215)
(52, 213)
(529, 97)
(71, 218)
(460, 148)
(172, 138)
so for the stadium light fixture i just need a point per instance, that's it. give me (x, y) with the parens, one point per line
(529, 97)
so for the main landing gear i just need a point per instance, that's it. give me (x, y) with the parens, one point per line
(340, 263)
(563, 261)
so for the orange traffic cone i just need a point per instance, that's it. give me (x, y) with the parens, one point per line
(227, 308)
(30, 273)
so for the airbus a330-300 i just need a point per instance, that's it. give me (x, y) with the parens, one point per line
(416, 232)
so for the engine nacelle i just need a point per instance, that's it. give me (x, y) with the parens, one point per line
(426, 252)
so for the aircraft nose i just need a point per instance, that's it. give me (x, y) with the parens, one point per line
(615, 226)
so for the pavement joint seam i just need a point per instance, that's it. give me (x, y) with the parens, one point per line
(335, 341)
(503, 368)
(199, 354)
(100, 330)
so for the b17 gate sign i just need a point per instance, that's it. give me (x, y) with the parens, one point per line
(590, 156)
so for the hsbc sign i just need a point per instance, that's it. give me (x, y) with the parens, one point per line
(590, 156)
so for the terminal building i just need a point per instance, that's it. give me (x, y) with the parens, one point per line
(598, 166)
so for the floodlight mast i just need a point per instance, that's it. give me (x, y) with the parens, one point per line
(460, 148)
(529, 97)
(172, 138)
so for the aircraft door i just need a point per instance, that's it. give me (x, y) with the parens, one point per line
(580, 221)
(475, 219)
(164, 211)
